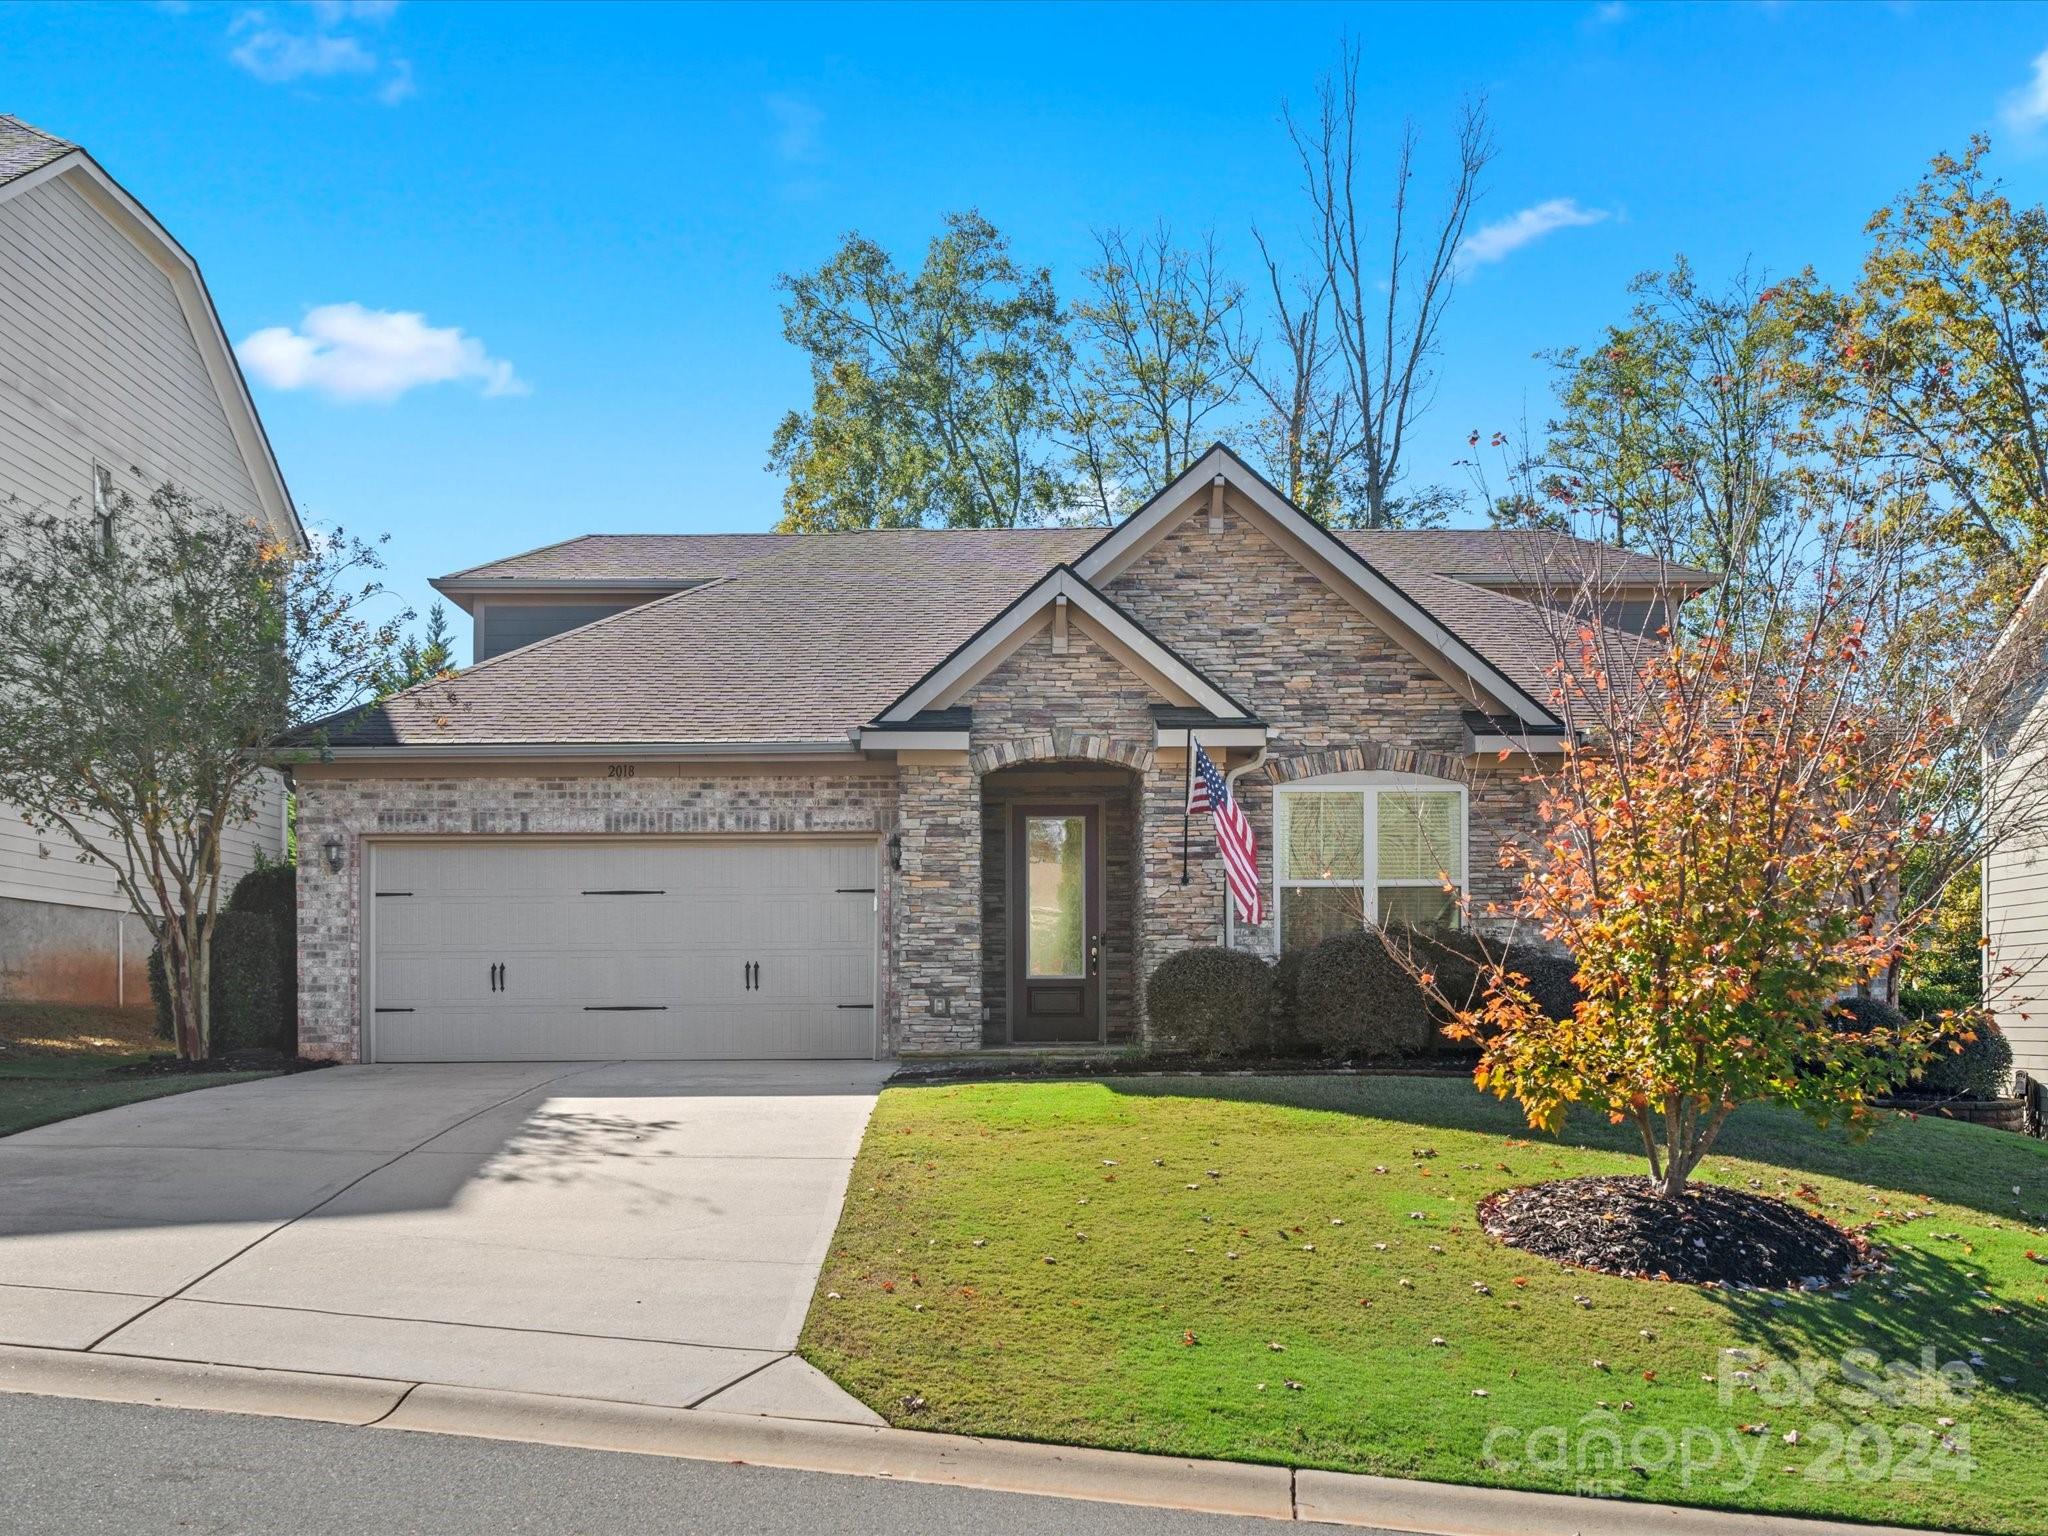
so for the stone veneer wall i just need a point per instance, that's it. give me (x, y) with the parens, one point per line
(658, 800)
(938, 930)
(1338, 692)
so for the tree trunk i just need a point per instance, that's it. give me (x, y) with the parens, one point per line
(187, 975)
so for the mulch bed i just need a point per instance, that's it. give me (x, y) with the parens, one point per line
(1622, 1225)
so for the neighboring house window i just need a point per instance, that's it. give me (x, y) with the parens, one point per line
(103, 504)
(1360, 848)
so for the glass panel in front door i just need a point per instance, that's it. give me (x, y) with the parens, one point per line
(1055, 855)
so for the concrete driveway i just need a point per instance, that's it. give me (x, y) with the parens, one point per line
(640, 1231)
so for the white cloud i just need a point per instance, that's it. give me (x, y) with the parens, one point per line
(347, 352)
(274, 56)
(1610, 13)
(1502, 238)
(2027, 108)
(319, 41)
(796, 127)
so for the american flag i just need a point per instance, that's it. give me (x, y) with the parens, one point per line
(1208, 792)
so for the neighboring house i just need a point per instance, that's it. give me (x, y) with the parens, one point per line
(911, 791)
(114, 376)
(2015, 871)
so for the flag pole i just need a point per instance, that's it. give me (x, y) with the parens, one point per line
(1187, 794)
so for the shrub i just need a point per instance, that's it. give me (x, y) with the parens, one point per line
(1287, 1039)
(1866, 1016)
(1212, 1001)
(1981, 1070)
(1454, 957)
(1355, 999)
(272, 891)
(247, 985)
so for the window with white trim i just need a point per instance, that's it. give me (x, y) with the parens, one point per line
(1358, 848)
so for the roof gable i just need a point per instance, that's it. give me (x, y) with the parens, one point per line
(1408, 620)
(1141, 651)
(30, 157)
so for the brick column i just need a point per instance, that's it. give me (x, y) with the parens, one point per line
(938, 938)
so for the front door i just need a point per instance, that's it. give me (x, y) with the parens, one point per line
(1055, 923)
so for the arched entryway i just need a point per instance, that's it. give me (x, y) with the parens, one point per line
(1059, 869)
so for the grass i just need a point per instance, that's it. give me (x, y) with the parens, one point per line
(63, 1059)
(1113, 1264)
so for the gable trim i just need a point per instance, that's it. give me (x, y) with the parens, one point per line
(119, 208)
(1109, 553)
(987, 647)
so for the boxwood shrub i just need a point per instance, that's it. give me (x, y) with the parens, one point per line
(1211, 1001)
(1982, 1069)
(1355, 999)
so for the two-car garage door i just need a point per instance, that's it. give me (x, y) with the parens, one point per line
(524, 950)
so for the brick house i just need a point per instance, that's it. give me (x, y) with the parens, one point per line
(908, 791)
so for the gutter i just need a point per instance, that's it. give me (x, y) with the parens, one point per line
(528, 751)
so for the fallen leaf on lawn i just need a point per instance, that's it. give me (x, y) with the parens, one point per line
(1188, 1339)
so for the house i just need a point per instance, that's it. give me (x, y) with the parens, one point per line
(2015, 869)
(909, 791)
(115, 376)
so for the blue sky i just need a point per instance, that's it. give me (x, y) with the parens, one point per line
(589, 205)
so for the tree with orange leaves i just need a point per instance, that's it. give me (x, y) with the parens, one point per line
(1749, 820)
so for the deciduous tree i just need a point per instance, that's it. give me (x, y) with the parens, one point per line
(148, 662)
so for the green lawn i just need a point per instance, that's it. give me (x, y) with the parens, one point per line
(58, 1060)
(1114, 1264)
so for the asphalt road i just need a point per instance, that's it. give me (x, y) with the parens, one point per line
(84, 1468)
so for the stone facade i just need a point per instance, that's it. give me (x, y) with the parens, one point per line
(656, 801)
(1339, 693)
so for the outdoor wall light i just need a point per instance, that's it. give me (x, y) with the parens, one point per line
(895, 850)
(333, 848)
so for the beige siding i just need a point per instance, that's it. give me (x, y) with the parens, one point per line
(98, 364)
(2016, 904)
(45, 867)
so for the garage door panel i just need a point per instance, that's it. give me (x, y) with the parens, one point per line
(658, 973)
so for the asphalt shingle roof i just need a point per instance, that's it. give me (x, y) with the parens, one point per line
(806, 637)
(24, 148)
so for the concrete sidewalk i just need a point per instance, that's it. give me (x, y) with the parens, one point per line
(640, 1232)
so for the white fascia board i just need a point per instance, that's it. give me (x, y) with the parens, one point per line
(121, 210)
(933, 691)
(1345, 559)
(1176, 736)
(872, 740)
(1492, 744)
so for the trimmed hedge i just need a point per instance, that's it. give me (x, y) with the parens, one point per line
(1212, 1001)
(253, 989)
(247, 985)
(1355, 999)
(1981, 1070)
(1455, 957)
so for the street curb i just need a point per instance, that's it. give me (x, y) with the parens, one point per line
(1454, 1509)
(857, 1450)
(356, 1400)
(908, 1455)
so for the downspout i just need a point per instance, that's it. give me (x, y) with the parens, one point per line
(1230, 778)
